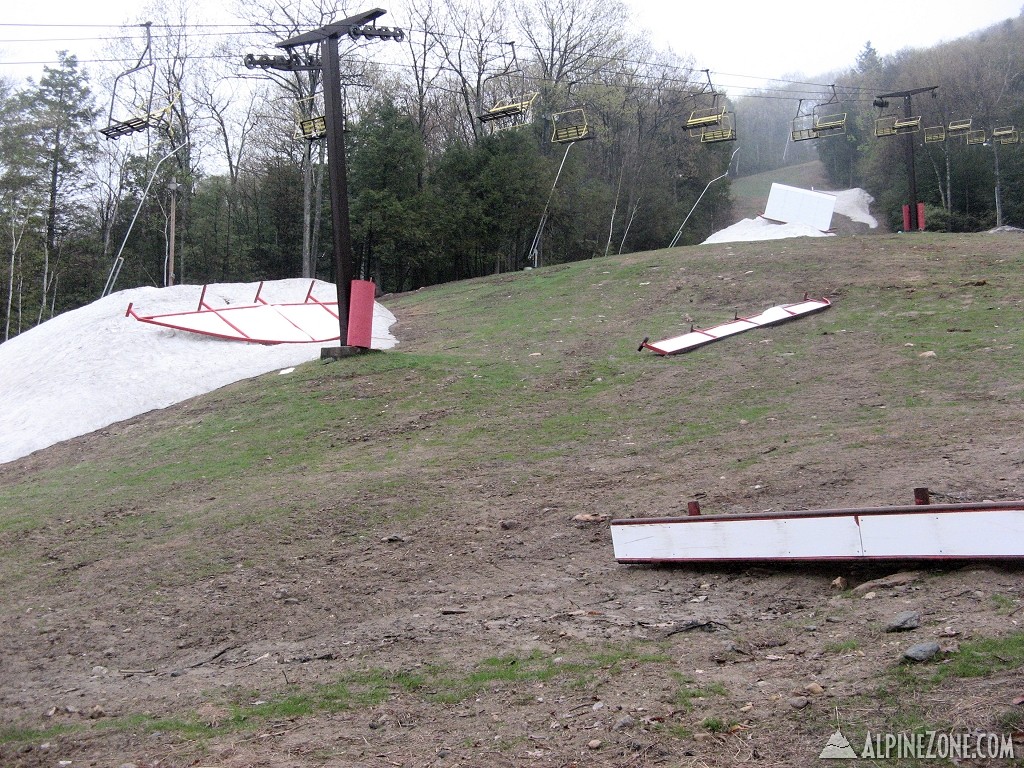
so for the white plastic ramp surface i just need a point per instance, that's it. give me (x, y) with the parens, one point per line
(262, 322)
(792, 205)
(699, 337)
(930, 532)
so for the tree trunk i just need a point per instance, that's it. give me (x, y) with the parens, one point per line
(50, 246)
(308, 260)
(949, 183)
(10, 278)
(999, 186)
(318, 208)
(943, 196)
(45, 283)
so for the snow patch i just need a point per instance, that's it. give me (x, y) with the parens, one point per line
(90, 367)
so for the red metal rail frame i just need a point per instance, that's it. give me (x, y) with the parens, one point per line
(653, 346)
(222, 312)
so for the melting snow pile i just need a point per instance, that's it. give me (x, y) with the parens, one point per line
(852, 203)
(88, 368)
(855, 204)
(762, 229)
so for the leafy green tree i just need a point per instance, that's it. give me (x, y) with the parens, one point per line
(271, 218)
(22, 199)
(868, 60)
(62, 113)
(488, 201)
(387, 161)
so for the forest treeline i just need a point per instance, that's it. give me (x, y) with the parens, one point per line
(436, 193)
(963, 115)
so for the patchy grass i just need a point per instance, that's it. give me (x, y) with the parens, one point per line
(251, 710)
(689, 691)
(842, 646)
(981, 658)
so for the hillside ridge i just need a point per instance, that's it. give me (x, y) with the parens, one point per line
(404, 558)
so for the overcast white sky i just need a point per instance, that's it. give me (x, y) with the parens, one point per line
(742, 37)
(775, 39)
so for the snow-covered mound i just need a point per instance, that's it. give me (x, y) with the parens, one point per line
(855, 204)
(88, 368)
(762, 229)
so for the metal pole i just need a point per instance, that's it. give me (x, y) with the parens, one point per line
(173, 187)
(535, 248)
(360, 25)
(999, 185)
(115, 269)
(680, 231)
(342, 234)
(911, 173)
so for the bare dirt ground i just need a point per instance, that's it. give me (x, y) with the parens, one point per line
(498, 630)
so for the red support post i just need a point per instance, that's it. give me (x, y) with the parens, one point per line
(360, 313)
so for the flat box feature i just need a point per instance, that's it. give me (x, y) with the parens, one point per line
(927, 531)
(698, 337)
(793, 205)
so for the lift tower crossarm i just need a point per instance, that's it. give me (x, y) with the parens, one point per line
(334, 29)
(908, 94)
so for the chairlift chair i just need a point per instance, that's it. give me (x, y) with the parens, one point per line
(310, 122)
(827, 122)
(509, 109)
(706, 116)
(820, 122)
(115, 129)
(311, 128)
(891, 124)
(570, 125)
(830, 125)
(936, 134)
(977, 137)
(803, 128)
(959, 127)
(885, 121)
(514, 111)
(907, 124)
(803, 124)
(126, 127)
(702, 118)
(885, 126)
(138, 122)
(724, 130)
(1006, 134)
